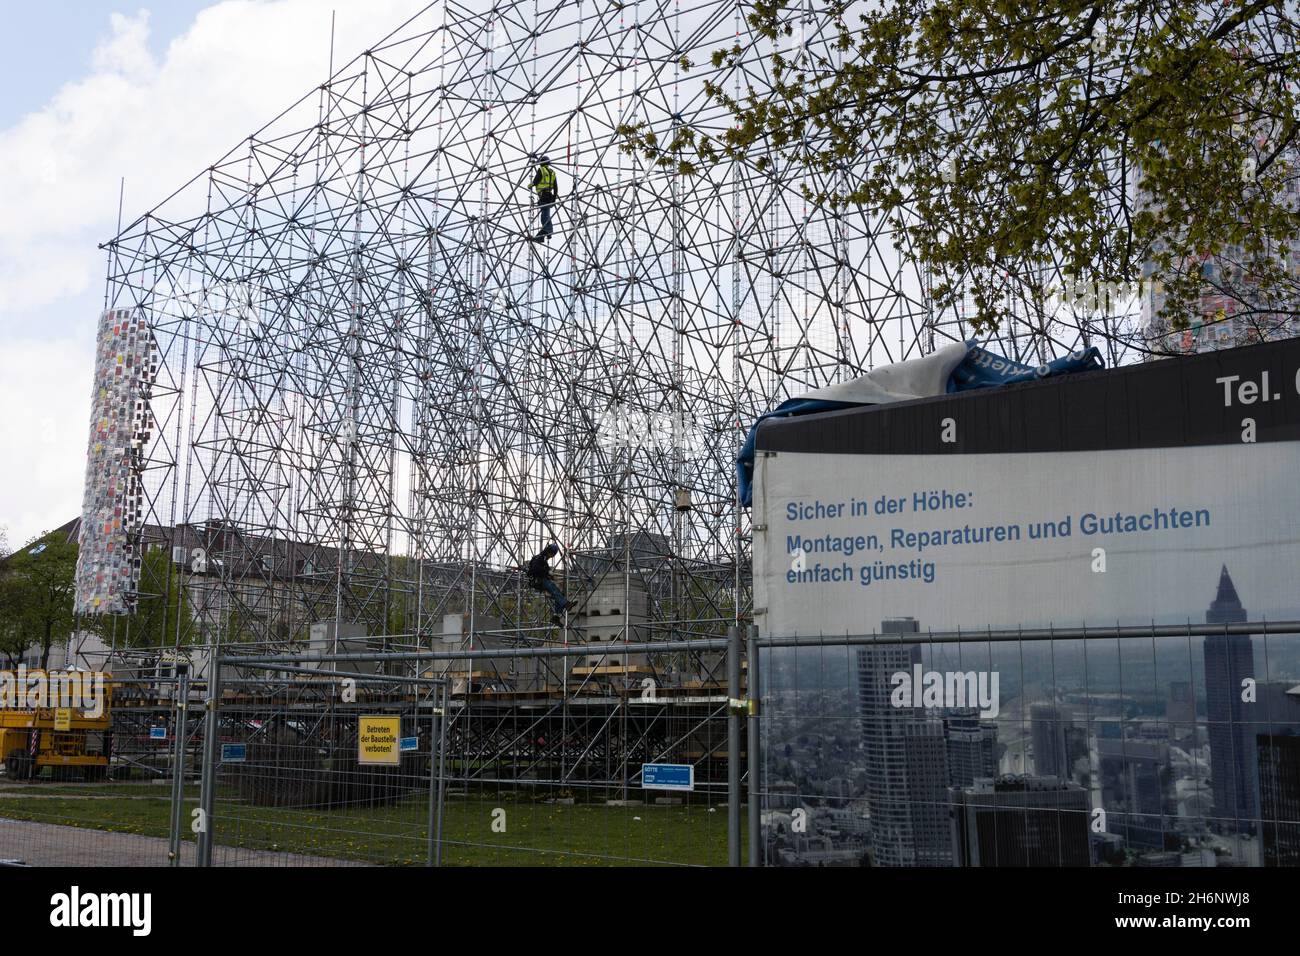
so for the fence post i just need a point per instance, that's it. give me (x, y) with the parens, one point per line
(753, 751)
(182, 686)
(442, 767)
(208, 783)
(734, 704)
(434, 857)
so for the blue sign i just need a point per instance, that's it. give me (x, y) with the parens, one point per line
(667, 776)
(234, 753)
(408, 743)
(157, 733)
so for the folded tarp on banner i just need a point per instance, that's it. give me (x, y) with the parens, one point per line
(955, 368)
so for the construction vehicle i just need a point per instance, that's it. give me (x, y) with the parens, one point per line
(66, 739)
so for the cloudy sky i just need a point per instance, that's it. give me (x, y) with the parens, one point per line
(94, 92)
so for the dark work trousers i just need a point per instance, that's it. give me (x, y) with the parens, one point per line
(545, 206)
(558, 600)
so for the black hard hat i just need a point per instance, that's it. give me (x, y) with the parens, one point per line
(544, 158)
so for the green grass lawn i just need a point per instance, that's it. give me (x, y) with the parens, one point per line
(536, 834)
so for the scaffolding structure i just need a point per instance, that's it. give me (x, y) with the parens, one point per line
(376, 399)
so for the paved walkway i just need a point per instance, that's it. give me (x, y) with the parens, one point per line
(48, 844)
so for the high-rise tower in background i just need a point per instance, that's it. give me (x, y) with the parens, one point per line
(1047, 726)
(927, 789)
(884, 746)
(1279, 794)
(1229, 659)
(972, 747)
(1020, 821)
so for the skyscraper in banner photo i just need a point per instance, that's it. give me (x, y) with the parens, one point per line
(1229, 659)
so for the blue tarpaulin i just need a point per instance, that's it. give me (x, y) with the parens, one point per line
(960, 367)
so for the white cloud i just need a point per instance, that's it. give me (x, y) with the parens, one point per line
(161, 123)
(158, 121)
(126, 51)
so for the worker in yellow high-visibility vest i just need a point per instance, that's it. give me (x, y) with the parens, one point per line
(547, 185)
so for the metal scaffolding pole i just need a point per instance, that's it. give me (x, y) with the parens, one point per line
(211, 756)
(435, 780)
(1129, 632)
(178, 763)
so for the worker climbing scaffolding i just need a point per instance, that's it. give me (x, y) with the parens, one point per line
(539, 578)
(547, 186)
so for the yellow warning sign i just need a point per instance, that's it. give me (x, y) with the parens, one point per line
(63, 718)
(378, 740)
